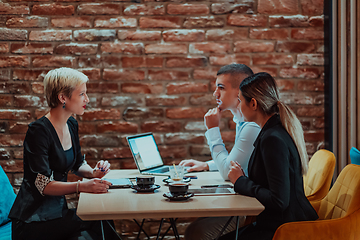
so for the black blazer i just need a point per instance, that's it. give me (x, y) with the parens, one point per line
(275, 178)
(44, 154)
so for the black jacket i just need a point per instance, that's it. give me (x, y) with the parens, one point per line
(275, 178)
(44, 154)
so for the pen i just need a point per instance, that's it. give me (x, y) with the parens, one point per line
(242, 170)
(97, 168)
(191, 177)
(209, 186)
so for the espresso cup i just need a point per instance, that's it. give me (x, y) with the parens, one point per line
(145, 181)
(178, 188)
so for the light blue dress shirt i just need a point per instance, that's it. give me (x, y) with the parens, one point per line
(246, 134)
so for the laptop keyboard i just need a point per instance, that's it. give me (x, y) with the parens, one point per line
(161, 170)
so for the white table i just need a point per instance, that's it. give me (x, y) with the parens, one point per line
(127, 204)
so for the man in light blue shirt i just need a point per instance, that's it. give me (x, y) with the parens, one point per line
(246, 133)
(228, 81)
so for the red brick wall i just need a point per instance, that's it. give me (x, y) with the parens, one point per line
(152, 66)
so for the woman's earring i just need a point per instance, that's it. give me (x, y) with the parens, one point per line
(64, 105)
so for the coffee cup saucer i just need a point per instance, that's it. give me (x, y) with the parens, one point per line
(152, 188)
(178, 197)
(169, 180)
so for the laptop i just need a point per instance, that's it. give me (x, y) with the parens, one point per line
(146, 154)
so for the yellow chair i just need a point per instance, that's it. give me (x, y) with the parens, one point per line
(317, 181)
(339, 212)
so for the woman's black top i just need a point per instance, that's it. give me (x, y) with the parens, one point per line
(44, 161)
(69, 155)
(275, 178)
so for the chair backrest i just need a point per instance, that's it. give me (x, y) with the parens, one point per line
(318, 179)
(344, 196)
(355, 156)
(7, 197)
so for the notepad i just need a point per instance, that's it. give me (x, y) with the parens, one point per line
(119, 182)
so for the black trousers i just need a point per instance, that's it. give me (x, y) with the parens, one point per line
(250, 232)
(69, 227)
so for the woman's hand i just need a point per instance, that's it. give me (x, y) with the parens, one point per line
(235, 172)
(102, 167)
(95, 185)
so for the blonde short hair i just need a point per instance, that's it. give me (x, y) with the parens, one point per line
(62, 80)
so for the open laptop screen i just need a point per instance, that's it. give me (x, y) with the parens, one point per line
(145, 151)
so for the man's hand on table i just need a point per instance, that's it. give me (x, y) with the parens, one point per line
(194, 165)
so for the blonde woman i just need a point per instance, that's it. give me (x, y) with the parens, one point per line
(51, 150)
(277, 163)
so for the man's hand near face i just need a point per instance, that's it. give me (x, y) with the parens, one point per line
(212, 118)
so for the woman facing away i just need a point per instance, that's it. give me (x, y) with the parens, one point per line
(277, 163)
(51, 150)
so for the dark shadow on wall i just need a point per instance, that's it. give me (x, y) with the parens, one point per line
(328, 79)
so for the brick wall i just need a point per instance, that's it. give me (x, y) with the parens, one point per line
(152, 66)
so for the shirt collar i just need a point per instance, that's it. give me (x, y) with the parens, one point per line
(236, 120)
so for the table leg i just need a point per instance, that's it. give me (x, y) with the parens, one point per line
(237, 227)
(173, 224)
(141, 228)
(167, 230)
(114, 230)
(224, 227)
(102, 229)
(161, 223)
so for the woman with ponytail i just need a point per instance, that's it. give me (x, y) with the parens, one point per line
(277, 163)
